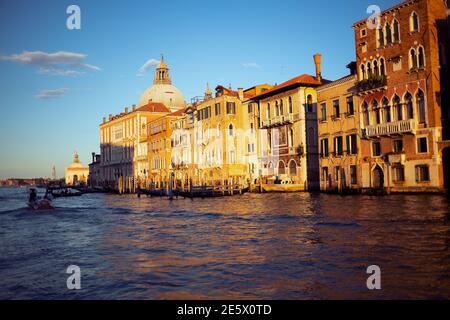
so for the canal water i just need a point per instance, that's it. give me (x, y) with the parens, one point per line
(271, 246)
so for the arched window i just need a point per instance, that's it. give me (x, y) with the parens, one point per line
(270, 167)
(268, 111)
(376, 112)
(292, 168)
(376, 70)
(269, 139)
(420, 100)
(412, 59)
(365, 109)
(281, 167)
(290, 105)
(382, 67)
(277, 109)
(309, 103)
(398, 108)
(281, 107)
(421, 57)
(387, 110)
(396, 31)
(380, 37)
(388, 32)
(230, 130)
(363, 72)
(369, 70)
(409, 106)
(414, 22)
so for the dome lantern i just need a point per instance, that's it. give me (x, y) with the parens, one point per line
(75, 158)
(162, 73)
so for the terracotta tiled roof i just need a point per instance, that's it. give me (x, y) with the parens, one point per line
(178, 113)
(227, 91)
(304, 79)
(154, 107)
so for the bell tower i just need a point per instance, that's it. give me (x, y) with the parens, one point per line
(162, 73)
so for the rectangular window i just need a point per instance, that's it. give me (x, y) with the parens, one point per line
(336, 109)
(422, 145)
(231, 108)
(205, 113)
(364, 47)
(217, 107)
(353, 175)
(325, 173)
(324, 148)
(350, 106)
(250, 107)
(323, 111)
(422, 173)
(376, 148)
(352, 144)
(336, 173)
(363, 33)
(399, 174)
(338, 149)
(398, 146)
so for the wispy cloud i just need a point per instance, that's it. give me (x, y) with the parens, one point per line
(251, 65)
(146, 66)
(51, 94)
(61, 63)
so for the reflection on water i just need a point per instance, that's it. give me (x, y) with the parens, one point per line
(272, 246)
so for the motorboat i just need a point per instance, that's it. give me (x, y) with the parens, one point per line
(63, 192)
(36, 203)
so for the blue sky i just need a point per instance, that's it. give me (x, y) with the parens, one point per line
(48, 111)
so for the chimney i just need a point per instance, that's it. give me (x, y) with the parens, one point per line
(318, 62)
(93, 157)
(352, 67)
(110, 117)
(104, 119)
(241, 94)
(126, 110)
(134, 107)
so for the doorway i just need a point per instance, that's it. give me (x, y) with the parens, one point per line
(378, 178)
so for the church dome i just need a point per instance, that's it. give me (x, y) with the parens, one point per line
(163, 93)
(162, 90)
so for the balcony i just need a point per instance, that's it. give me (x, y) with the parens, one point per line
(373, 84)
(277, 121)
(391, 128)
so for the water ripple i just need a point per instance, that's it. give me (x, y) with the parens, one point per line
(272, 246)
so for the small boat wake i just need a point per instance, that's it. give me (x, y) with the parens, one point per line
(41, 204)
